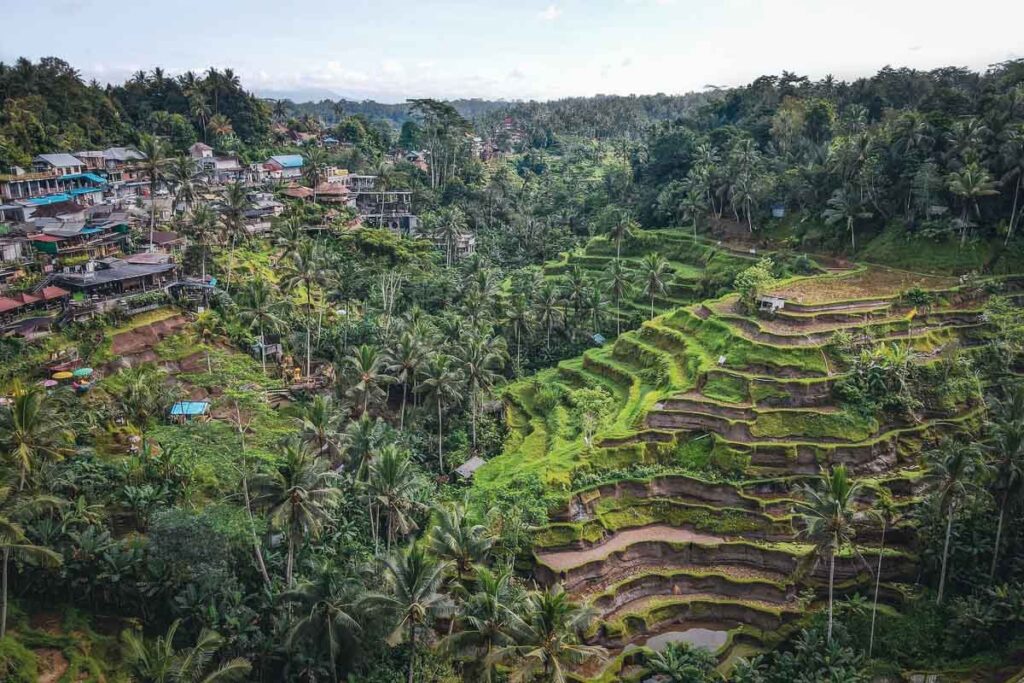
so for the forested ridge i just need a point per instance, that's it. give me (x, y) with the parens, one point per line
(836, 486)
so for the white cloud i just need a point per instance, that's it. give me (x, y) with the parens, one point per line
(551, 13)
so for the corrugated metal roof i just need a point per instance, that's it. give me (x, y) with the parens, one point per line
(288, 160)
(61, 160)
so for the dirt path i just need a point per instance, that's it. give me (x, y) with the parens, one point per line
(566, 559)
(52, 665)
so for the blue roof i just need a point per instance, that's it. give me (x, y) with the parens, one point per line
(50, 199)
(190, 408)
(288, 160)
(88, 176)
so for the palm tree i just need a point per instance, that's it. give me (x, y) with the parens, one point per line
(577, 285)
(843, 207)
(414, 598)
(517, 317)
(142, 394)
(450, 226)
(158, 661)
(361, 439)
(594, 306)
(207, 328)
(548, 638)
(970, 183)
(392, 487)
(221, 127)
(695, 205)
(314, 167)
(619, 281)
(299, 495)
(547, 309)
(480, 358)
(203, 226)
(181, 174)
(199, 107)
(1007, 447)
(827, 518)
(153, 164)
(682, 663)
(1012, 153)
(484, 623)
(950, 479)
(32, 429)
(887, 512)
(653, 271)
(621, 229)
(261, 311)
(14, 543)
(365, 364)
(236, 203)
(304, 268)
(320, 421)
(326, 617)
(404, 361)
(454, 538)
(441, 382)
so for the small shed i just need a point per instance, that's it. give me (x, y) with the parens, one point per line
(770, 304)
(183, 411)
(466, 469)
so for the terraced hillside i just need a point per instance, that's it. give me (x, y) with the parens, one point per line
(724, 414)
(694, 265)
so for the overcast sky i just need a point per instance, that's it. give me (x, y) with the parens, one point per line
(393, 49)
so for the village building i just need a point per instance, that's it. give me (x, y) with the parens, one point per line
(114, 277)
(60, 164)
(284, 166)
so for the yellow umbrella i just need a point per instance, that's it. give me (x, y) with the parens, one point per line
(62, 375)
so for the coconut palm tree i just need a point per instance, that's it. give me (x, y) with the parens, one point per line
(261, 311)
(970, 183)
(682, 663)
(577, 285)
(365, 365)
(1007, 449)
(826, 513)
(236, 204)
(654, 273)
(392, 488)
(594, 306)
(299, 495)
(314, 167)
(304, 268)
(450, 225)
(404, 361)
(1012, 153)
(158, 661)
(695, 205)
(441, 382)
(221, 127)
(621, 229)
(142, 393)
(153, 164)
(950, 479)
(181, 175)
(361, 440)
(517, 318)
(480, 358)
(32, 429)
(887, 512)
(326, 615)
(843, 207)
(320, 422)
(454, 538)
(14, 543)
(484, 623)
(619, 283)
(413, 597)
(207, 328)
(202, 227)
(547, 309)
(548, 638)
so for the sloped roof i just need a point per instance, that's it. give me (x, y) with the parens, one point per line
(60, 160)
(288, 160)
(50, 293)
(123, 154)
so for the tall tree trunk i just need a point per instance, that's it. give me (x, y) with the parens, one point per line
(3, 595)
(401, 416)
(231, 265)
(831, 584)
(472, 415)
(945, 555)
(412, 652)
(290, 562)
(309, 330)
(440, 432)
(853, 237)
(878, 581)
(999, 535)
(1013, 212)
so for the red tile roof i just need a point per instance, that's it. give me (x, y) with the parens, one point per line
(27, 298)
(8, 304)
(46, 238)
(50, 293)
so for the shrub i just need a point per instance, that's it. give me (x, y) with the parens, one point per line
(17, 663)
